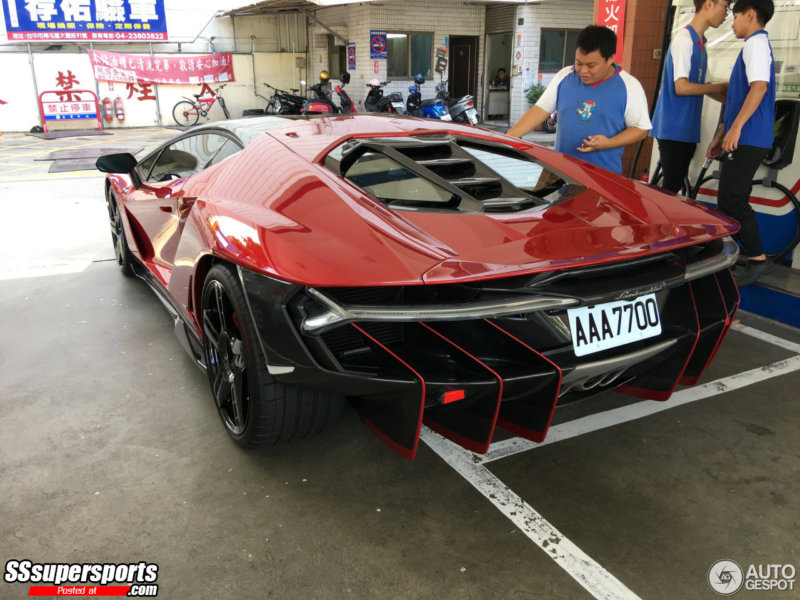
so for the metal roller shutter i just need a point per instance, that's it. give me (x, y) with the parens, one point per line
(500, 18)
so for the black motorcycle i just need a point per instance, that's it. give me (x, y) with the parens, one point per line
(461, 109)
(280, 102)
(377, 102)
(289, 104)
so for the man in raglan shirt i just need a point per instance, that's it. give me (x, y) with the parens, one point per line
(601, 108)
(746, 134)
(676, 122)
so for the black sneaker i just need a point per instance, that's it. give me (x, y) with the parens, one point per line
(754, 270)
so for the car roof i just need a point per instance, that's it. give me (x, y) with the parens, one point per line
(325, 130)
(248, 129)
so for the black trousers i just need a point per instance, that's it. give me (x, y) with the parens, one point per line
(675, 159)
(737, 170)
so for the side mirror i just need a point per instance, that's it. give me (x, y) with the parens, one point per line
(124, 163)
(116, 163)
(344, 77)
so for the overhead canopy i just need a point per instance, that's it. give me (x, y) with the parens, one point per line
(276, 6)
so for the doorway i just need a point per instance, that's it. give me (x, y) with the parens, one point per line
(498, 56)
(462, 72)
(337, 58)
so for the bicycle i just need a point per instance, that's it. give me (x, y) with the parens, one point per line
(187, 112)
(274, 103)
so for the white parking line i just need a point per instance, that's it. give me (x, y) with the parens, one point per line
(581, 567)
(766, 337)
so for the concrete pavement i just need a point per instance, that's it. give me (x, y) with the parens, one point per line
(111, 451)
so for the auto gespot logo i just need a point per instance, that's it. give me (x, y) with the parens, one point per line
(84, 579)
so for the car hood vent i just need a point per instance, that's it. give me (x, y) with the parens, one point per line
(446, 173)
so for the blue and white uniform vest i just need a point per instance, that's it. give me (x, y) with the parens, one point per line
(758, 131)
(676, 117)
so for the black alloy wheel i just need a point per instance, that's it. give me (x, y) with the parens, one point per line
(226, 359)
(121, 251)
(255, 409)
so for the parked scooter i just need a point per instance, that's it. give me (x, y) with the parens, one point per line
(433, 108)
(551, 123)
(377, 102)
(324, 104)
(461, 109)
(346, 104)
(280, 102)
(289, 104)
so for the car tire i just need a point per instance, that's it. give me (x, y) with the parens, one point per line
(121, 250)
(255, 409)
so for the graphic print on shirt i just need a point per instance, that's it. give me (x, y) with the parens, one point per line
(585, 110)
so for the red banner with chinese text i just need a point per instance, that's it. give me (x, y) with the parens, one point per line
(611, 13)
(178, 69)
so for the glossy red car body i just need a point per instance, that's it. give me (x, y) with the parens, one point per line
(278, 209)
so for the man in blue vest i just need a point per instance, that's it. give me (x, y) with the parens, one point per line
(746, 134)
(676, 122)
(601, 108)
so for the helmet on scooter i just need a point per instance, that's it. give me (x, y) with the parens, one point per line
(323, 76)
(375, 82)
(419, 78)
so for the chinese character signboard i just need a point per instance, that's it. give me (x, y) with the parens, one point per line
(611, 13)
(92, 20)
(56, 111)
(137, 68)
(58, 105)
(377, 45)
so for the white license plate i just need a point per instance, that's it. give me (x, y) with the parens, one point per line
(446, 117)
(604, 326)
(472, 115)
(398, 107)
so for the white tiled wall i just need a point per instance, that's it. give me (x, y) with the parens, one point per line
(443, 18)
(569, 14)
